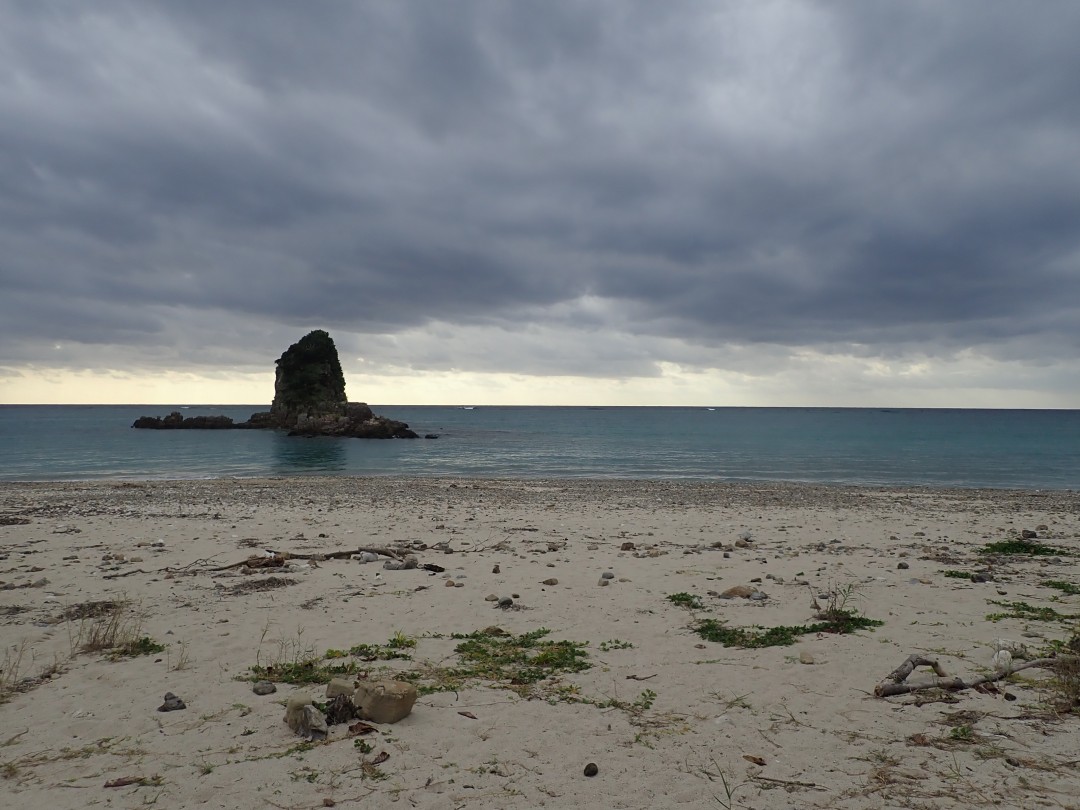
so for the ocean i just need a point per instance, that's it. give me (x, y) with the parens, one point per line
(1021, 449)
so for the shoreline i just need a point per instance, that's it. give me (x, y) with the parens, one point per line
(662, 711)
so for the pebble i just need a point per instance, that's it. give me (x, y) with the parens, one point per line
(591, 769)
(491, 598)
(263, 688)
(903, 566)
(628, 546)
(172, 703)
(759, 596)
(806, 657)
(608, 575)
(603, 583)
(506, 602)
(738, 590)
(495, 569)
(551, 582)
(449, 583)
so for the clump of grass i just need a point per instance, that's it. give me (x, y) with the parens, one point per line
(1020, 546)
(113, 628)
(1064, 587)
(615, 644)
(1022, 610)
(958, 574)
(528, 664)
(686, 600)
(837, 618)
(304, 666)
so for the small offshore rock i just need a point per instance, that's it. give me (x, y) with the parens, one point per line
(263, 688)
(591, 769)
(172, 703)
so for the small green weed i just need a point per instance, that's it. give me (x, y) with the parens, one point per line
(686, 600)
(1064, 587)
(1022, 610)
(615, 644)
(139, 646)
(962, 734)
(835, 621)
(1026, 547)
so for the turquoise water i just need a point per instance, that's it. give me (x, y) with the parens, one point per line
(964, 448)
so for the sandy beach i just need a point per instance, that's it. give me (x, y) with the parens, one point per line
(667, 717)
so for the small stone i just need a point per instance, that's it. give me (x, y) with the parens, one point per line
(592, 547)
(603, 583)
(653, 552)
(506, 602)
(759, 596)
(172, 703)
(756, 579)
(806, 657)
(449, 583)
(608, 575)
(263, 688)
(459, 584)
(551, 582)
(1028, 534)
(980, 578)
(627, 546)
(339, 686)
(727, 554)
(1042, 527)
(743, 591)
(385, 701)
(742, 544)
(591, 769)
(496, 570)
(903, 566)
(491, 598)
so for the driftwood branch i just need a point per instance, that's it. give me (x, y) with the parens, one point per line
(894, 682)
(278, 558)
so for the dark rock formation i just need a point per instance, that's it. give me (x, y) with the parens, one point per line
(309, 385)
(175, 421)
(309, 400)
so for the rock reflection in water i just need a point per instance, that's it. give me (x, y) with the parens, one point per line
(297, 455)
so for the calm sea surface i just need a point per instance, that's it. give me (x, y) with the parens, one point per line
(964, 448)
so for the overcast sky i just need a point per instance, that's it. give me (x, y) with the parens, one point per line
(819, 203)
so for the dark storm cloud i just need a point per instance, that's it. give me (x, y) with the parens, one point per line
(816, 175)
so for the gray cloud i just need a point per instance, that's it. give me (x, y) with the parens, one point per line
(548, 187)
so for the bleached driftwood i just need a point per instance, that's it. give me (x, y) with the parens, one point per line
(894, 682)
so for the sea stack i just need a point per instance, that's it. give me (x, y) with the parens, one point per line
(309, 400)
(309, 385)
